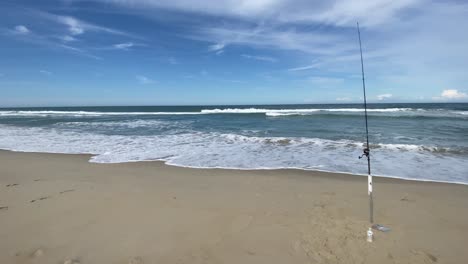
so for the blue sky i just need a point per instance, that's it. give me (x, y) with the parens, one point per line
(166, 52)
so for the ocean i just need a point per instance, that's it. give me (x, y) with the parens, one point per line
(426, 142)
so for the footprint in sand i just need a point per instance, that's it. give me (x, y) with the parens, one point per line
(405, 198)
(37, 253)
(71, 190)
(71, 261)
(40, 199)
(3, 208)
(11, 185)
(135, 260)
(426, 256)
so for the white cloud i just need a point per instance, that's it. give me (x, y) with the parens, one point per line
(76, 26)
(216, 47)
(45, 72)
(20, 29)
(143, 79)
(67, 38)
(303, 68)
(382, 97)
(453, 94)
(123, 46)
(261, 58)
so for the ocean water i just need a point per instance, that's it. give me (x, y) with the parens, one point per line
(412, 141)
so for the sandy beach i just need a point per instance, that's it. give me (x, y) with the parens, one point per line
(62, 209)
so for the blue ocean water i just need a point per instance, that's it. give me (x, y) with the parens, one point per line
(413, 141)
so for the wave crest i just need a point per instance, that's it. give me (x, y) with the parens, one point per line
(396, 112)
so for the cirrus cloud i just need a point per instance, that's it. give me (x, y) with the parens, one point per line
(123, 46)
(337, 12)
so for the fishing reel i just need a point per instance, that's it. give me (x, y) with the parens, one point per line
(366, 153)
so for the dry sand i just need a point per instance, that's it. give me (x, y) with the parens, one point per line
(63, 209)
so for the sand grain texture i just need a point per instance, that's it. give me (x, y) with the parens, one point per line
(148, 212)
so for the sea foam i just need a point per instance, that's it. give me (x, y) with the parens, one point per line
(235, 151)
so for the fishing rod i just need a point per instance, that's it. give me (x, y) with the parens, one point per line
(366, 151)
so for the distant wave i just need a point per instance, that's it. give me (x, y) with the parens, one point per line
(391, 112)
(295, 111)
(138, 123)
(87, 113)
(405, 112)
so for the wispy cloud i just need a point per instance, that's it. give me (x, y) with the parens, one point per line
(338, 12)
(66, 32)
(260, 58)
(67, 38)
(20, 29)
(260, 36)
(218, 48)
(45, 72)
(52, 33)
(76, 26)
(382, 97)
(48, 41)
(144, 80)
(123, 46)
(303, 68)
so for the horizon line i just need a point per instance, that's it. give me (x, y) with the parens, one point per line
(194, 105)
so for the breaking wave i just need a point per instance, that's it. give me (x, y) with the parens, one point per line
(396, 112)
(87, 113)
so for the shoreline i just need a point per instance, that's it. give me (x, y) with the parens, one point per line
(59, 207)
(90, 156)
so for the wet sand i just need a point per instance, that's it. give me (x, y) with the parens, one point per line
(62, 209)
